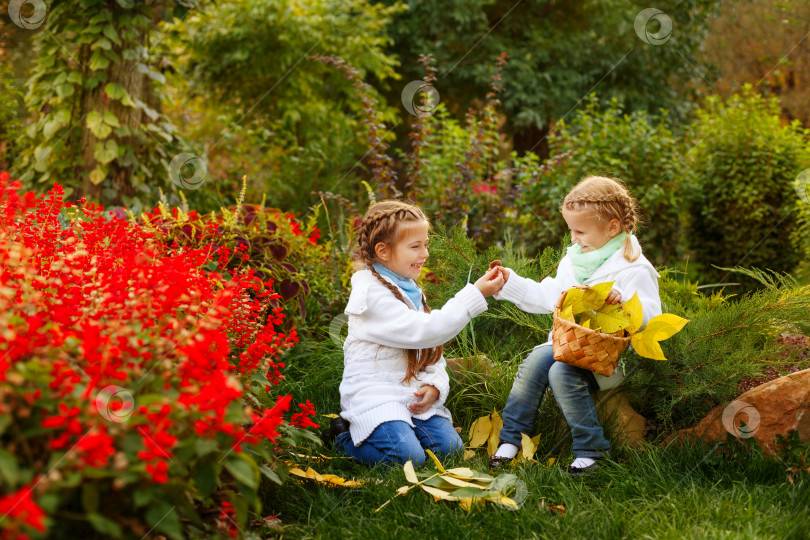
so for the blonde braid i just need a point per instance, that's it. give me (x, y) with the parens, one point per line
(380, 225)
(611, 200)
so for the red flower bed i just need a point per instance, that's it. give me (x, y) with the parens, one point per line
(131, 377)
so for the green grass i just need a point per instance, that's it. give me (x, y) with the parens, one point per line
(676, 492)
(655, 493)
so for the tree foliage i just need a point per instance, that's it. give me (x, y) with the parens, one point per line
(559, 52)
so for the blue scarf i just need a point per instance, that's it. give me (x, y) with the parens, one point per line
(585, 264)
(408, 285)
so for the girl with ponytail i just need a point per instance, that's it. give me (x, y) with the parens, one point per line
(395, 379)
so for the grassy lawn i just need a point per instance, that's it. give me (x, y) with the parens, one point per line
(687, 492)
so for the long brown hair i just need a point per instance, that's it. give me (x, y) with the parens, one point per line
(608, 198)
(382, 223)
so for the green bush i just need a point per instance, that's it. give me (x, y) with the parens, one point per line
(639, 149)
(742, 170)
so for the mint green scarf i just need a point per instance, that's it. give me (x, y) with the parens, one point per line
(585, 264)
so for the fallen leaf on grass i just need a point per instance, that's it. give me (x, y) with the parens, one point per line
(331, 480)
(466, 486)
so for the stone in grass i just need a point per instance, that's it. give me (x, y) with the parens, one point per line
(774, 408)
(627, 427)
(478, 364)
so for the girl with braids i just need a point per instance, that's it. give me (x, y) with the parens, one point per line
(395, 380)
(601, 215)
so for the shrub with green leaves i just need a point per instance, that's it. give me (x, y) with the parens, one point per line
(742, 168)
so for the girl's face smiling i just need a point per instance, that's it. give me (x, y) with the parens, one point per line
(409, 252)
(588, 231)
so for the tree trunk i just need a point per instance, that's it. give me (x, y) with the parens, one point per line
(137, 85)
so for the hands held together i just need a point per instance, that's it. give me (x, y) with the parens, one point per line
(493, 281)
(496, 277)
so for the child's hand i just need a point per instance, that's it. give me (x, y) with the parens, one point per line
(429, 395)
(503, 271)
(490, 283)
(613, 297)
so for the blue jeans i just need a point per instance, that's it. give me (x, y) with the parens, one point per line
(571, 387)
(397, 442)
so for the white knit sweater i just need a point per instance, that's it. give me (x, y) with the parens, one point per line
(380, 328)
(638, 276)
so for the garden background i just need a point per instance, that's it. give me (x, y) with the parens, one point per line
(181, 184)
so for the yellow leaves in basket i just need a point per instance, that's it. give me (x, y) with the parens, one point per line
(586, 307)
(466, 486)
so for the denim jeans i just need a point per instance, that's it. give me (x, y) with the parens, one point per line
(571, 387)
(397, 442)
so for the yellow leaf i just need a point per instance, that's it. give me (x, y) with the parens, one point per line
(594, 297)
(665, 326)
(466, 504)
(463, 483)
(436, 461)
(468, 454)
(645, 345)
(461, 472)
(439, 493)
(658, 329)
(494, 437)
(328, 479)
(528, 446)
(586, 323)
(633, 308)
(330, 415)
(567, 313)
(479, 431)
(612, 318)
(465, 473)
(498, 497)
(572, 296)
(404, 490)
(588, 320)
(410, 474)
(551, 461)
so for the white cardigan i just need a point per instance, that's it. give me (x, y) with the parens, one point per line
(630, 277)
(374, 362)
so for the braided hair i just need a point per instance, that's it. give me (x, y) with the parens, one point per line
(382, 224)
(609, 199)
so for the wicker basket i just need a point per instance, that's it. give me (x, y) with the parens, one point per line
(583, 347)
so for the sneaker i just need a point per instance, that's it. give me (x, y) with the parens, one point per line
(336, 427)
(496, 462)
(576, 472)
